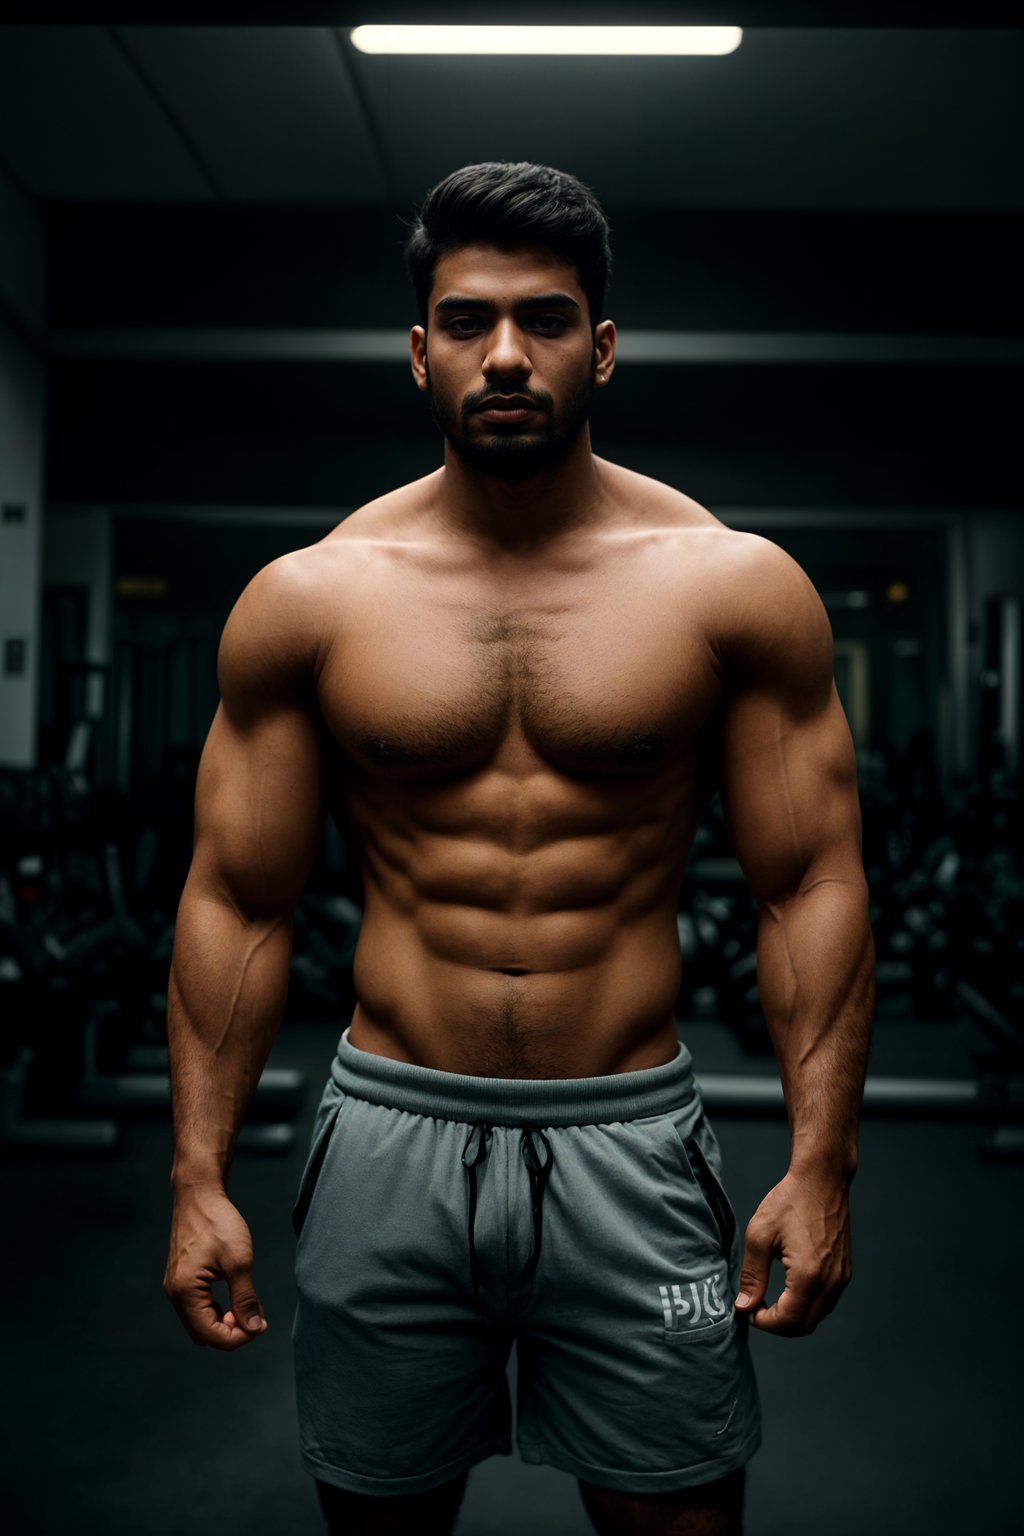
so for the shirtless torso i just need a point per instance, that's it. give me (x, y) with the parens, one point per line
(520, 751)
(518, 700)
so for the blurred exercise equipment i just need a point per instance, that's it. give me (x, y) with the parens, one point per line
(946, 887)
(88, 890)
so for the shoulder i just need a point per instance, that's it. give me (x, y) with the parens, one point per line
(770, 622)
(751, 583)
(289, 600)
(285, 621)
(651, 503)
(763, 585)
(278, 603)
(374, 532)
(761, 574)
(270, 643)
(757, 609)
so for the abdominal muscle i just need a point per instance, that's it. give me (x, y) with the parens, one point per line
(520, 990)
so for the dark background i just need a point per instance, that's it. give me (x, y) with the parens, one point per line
(203, 364)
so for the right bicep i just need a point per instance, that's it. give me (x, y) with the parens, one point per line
(259, 810)
(259, 793)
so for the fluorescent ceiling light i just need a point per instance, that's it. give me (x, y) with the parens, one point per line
(561, 40)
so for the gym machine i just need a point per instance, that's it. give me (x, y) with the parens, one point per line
(83, 965)
(946, 887)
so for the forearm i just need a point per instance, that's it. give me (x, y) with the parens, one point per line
(816, 979)
(228, 984)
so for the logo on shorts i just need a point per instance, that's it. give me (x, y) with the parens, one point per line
(693, 1303)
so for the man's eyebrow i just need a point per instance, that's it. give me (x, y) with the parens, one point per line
(549, 301)
(487, 306)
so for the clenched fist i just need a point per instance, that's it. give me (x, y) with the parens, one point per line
(210, 1241)
(805, 1222)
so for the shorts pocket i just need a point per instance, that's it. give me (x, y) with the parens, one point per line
(710, 1186)
(314, 1164)
(697, 1311)
(680, 1337)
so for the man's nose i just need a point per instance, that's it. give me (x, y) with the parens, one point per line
(507, 352)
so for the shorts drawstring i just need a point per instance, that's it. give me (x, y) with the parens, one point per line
(538, 1168)
(473, 1153)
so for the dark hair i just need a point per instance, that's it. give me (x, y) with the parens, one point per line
(512, 205)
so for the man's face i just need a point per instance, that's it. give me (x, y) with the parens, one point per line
(509, 358)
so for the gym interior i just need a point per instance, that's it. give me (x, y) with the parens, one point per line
(204, 364)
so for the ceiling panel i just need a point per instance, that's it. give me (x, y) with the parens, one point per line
(77, 120)
(795, 118)
(760, 13)
(272, 110)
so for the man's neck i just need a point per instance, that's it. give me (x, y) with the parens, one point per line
(520, 515)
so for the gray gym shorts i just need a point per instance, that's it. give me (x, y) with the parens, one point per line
(441, 1218)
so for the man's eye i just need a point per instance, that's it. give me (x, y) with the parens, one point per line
(550, 325)
(464, 325)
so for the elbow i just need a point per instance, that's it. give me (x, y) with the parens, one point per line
(845, 883)
(252, 900)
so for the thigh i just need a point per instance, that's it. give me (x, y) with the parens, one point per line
(634, 1368)
(400, 1383)
(715, 1509)
(424, 1514)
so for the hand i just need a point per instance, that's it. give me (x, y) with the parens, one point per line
(805, 1222)
(210, 1241)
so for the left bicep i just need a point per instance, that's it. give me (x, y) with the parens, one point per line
(788, 777)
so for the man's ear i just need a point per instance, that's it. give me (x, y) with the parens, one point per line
(418, 356)
(604, 352)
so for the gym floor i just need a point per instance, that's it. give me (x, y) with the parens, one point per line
(902, 1415)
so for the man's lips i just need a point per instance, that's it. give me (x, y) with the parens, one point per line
(506, 408)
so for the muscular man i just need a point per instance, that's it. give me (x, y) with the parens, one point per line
(519, 682)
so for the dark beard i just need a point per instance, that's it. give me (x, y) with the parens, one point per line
(516, 456)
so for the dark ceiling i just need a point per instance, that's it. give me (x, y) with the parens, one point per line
(821, 117)
(817, 247)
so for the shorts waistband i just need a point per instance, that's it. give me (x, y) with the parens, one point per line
(545, 1101)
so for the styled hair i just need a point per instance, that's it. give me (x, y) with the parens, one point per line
(510, 205)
